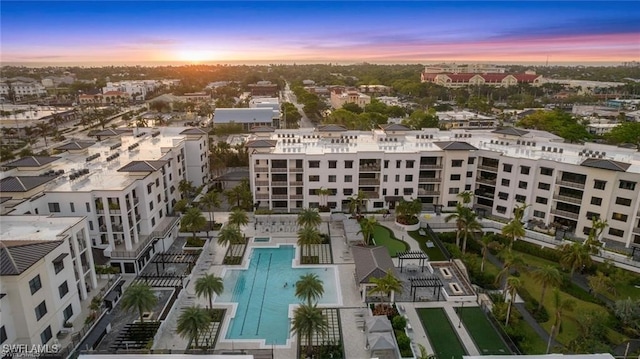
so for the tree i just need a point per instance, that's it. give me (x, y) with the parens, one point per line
(487, 243)
(139, 296)
(308, 236)
(546, 276)
(230, 235)
(186, 188)
(309, 288)
(601, 284)
(407, 211)
(240, 195)
(574, 256)
(458, 216)
(367, 227)
(211, 201)
(561, 307)
(628, 311)
(43, 129)
(465, 196)
(420, 119)
(387, 285)
(593, 243)
(192, 322)
(208, 285)
(626, 132)
(238, 218)
(308, 320)
(181, 206)
(513, 230)
(193, 221)
(309, 217)
(470, 226)
(510, 262)
(512, 286)
(356, 203)
(324, 194)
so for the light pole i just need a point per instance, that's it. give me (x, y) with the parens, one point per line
(460, 314)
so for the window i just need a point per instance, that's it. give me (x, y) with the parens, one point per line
(385, 178)
(347, 191)
(314, 164)
(505, 182)
(348, 178)
(157, 182)
(520, 198)
(314, 178)
(384, 191)
(596, 201)
(3, 335)
(90, 225)
(54, 207)
(542, 200)
(332, 178)
(503, 196)
(522, 185)
(68, 312)
(469, 174)
(599, 184)
(378, 204)
(153, 221)
(408, 178)
(623, 201)
(58, 266)
(524, 170)
(313, 192)
(348, 164)
(455, 177)
(467, 187)
(545, 171)
(396, 191)
(386, 164)
(160, 214)
(452, 203)
(151, 206)
(159, 197)
(627, 185)
(397, 178)
(398, 163)
(88, 207)
(149, 188)
(592, 215)
(501, 209)
(538, 214)
(41, 310)
(407, 191)
(333, 164)
(507, 167)
(454, 190)
(46, 335)
(616, 232)
(472, 160)
(619, 217)
(410, 163)
(544, 186)
(35, 284)
(63, 289)
(456, 163)
(72, 206)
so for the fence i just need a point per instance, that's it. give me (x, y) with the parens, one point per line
(436, 240)
(505, 337)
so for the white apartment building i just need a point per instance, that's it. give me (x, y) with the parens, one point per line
(464, 69)
(340, 96)
(22, 89)
(566, 184)
(137, 89)
(46, 269)
(465, 119)
(126, 185)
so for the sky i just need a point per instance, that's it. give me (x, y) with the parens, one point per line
(162, 32)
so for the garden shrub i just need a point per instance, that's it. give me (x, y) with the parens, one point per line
(399, 322)
(447, 237)
(404, 344)
(195, 242)
(531, 305)
(574, 290)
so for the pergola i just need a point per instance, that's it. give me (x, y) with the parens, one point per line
(425, 282)
(412, 255)
(175, 258)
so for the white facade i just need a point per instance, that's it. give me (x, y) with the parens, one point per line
(22, 89)
(137, 89)
(464, 68)
(339, 97)
(465, 119)
(561, 181)
(60, 269)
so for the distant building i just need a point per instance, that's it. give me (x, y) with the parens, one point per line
(318, 90)
(375, 89)
(342, 95)
(264, 88)
(196, 97)
(21, 87)
(247, 117)
(464, 69)
(600, 129)
(465, 119)
(107, 98)
(454, 80)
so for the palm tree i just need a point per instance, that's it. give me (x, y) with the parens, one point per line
(593, 243)
(487, 243)
(518, 212)
(465, 196)
(356, 202)
(181, 206)
(193, 221)
(368, 226)
(208, 285)
(230, 235)
(511, 262)
(407, 211)
(308, 320)
(513, 284)
(240, 195)
(309, 217)
(308, 236)
(238, 218)
(192, 322)
(546, 276)
(386, 285)
(458, 216)
(600, 283)
(186, 188)
(561, 307)
(470, 225)
(513, 230)
(574, 256)
(309, 288)
(43, 129)
(139, 296)
(211, 201)
(323, 193)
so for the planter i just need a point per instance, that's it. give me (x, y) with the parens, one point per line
(408, 227)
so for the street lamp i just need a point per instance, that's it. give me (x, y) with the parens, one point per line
(460, 315)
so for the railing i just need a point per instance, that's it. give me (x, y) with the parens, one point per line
(486, 181)
(426, 167)
(136, 200)
(486, 195)
(488, 168)
(117, 228)
(429, 179)
(569, 199)
(371, 194)
(370, 168)
(262, 196)
(167, 224)
(636, 230)
(114, 210)
(279, 169)
(279, 183)
(434, 237)
(297, 196)
(566, 214)
(296, 169)
(366, 181)
(570, 184)
(262, 183)
(505, 337)
(280, 196)
(427, 193)
(262, 169)
(296, 183)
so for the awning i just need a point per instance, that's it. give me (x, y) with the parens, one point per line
(59, 258)
(393, 198)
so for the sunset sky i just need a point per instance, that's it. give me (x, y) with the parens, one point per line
(147, 32)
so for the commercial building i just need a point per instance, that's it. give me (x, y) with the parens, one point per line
(126, 185)
(46, 269)
(247, 117)
(107, 98)
(264, 88)
(342, 95)
(565, 184)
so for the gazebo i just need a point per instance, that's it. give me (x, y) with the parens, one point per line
(420, 255)
(371, 262)
(379, 336)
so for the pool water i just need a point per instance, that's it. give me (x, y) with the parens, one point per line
(264, 292)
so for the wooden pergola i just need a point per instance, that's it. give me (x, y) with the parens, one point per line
(412, 255)
(425, 282)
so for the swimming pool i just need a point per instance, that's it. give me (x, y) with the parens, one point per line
(263, 292)
(262, 239)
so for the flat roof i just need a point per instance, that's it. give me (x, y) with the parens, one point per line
(34, 228)
(164, 356)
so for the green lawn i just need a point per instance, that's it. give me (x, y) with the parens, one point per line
(486, 338)
(442, 336)
(434, 253)
(382, 236)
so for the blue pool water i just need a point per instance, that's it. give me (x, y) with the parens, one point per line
(263, 300)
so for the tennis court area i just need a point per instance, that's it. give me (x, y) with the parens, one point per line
(484, 336)
(442, 336)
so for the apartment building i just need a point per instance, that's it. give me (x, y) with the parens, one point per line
(46, 269)
(464, 69)
(566, 184)
(107, 98)
(126, 185)
(342, 95)
(465, 119)
(456, 80)
(21, 87)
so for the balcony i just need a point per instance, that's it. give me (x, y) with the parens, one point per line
(296, 169)
(117, 228)
(103, 228)
(491, 182)
(370, 168)
(280, 196)
(488, 168)
(165, 225)
(429, 179)
(279, 169)
(570, 184)
(484, 194)
(262, 169)
(262, 196)
(569, 199)
(369, 181)
(636, 230)
(279, 183)
(430, 167)
(564, 214)
(422, 192)
(136, 200)
(371, 194)
(137, 217)
(296, 183)
(262, 183)
(297, 196)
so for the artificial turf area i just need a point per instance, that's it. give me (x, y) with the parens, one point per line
(382, 236)
(441, 335)
(486, 338)
(434, 253)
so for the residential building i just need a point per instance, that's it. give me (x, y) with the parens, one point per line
(126, 185)
(264, 88)
(107, 98)
(247, 117)
(342, 95)
(20, 116)
(375, 89)
(566, 184)
(453, 80)
(46, 271)
(196, 97)
(465, 119)
(464, 69)
(21, 87)
(600, 129)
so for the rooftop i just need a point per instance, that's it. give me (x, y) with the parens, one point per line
(34, 228)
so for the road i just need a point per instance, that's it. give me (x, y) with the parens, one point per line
(289, 96)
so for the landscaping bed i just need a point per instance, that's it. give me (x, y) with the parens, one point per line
(383, 236)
